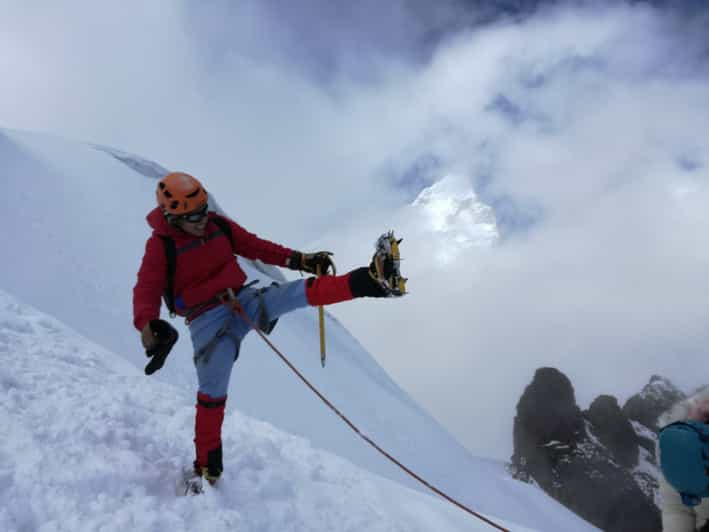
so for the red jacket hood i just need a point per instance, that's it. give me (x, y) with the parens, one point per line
(156, 220)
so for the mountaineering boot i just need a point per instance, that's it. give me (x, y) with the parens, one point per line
(384, 268)
(214, 468)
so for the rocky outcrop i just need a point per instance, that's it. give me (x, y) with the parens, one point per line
(655, 398)
(588, 461)
(614, 430)
(548, 423)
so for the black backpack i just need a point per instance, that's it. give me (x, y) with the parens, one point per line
(171, 253)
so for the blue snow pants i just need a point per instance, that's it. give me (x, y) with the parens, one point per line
(215, 364)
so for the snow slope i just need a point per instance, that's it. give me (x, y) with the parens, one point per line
(95, 445)
(74, 231)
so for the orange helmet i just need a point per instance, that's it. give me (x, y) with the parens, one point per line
(180, 193)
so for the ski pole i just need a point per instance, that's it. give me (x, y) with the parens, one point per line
(321, 319)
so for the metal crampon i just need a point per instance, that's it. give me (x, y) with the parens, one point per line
(190, 483)
(384, 267)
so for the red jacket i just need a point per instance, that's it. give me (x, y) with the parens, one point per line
(201, 271)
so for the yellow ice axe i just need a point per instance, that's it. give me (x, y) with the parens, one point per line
(321, 319)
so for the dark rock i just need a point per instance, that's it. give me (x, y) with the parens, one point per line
(655, 398)
(705, 528)
(583, 463)
(547, 425)
(603, 493)
(614, 430)
(547, 410)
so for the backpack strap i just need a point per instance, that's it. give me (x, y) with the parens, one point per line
(223, 224)
(171, 261)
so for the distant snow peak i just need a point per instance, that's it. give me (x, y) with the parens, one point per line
(659, 387)
(452, 209)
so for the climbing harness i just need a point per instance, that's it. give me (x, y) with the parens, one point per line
(204, 353)
(228, 298)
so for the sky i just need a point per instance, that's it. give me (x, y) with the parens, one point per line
(584, 127)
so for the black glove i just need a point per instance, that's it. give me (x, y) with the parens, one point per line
(164, 337)
(309, 262)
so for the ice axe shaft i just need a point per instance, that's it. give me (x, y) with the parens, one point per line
(321, 320)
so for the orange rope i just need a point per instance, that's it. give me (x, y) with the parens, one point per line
(239, 310)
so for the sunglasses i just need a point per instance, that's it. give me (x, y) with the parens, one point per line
(195, 216)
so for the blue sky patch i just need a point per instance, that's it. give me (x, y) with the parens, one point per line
(688, 163)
